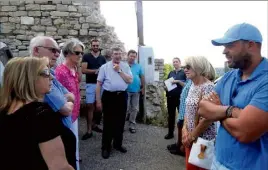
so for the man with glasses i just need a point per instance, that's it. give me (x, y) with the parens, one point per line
(59, 97)
(91, 63)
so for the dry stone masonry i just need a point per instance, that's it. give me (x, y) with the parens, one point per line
(21, 20)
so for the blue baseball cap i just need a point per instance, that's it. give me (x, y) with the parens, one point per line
(238, 32)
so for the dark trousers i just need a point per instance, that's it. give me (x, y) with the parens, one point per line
(114, 108)
(172, 104)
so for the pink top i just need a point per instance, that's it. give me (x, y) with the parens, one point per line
(71, 83)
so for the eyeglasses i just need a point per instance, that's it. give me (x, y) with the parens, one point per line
(45, 73)
(52, 49)
(95, 45)
(78, 52)
(188, 67)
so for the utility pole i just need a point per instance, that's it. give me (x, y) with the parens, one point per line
(139, 14)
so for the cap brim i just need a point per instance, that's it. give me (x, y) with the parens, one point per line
(222, 41)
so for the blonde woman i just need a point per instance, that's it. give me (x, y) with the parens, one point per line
(197, 69)
(30, 130)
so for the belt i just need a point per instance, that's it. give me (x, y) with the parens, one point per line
(115, 92)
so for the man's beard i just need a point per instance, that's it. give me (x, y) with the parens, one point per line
(243, 63)
(95, 50)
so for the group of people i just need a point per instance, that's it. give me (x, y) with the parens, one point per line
(238, 102)
(40, 103)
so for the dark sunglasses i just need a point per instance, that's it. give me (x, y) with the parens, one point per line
(52, 49)
(45, 73)
(78, 53)
(95, 45)
(188, 67)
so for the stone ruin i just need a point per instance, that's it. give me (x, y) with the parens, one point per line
(21, 20)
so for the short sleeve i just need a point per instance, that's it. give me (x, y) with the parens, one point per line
(260, 98)
(101, 74)
(48, 125)
(55, 99)
(84, 58)
(64, 90)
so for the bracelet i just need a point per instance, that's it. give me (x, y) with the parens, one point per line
(228, 111)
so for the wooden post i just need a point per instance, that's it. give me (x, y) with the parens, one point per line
(139, 14)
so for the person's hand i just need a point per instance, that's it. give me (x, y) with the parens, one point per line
(98, 105)
(97, 71)
(184, 137)
(116, 67)
(143, 91)
(214, 98)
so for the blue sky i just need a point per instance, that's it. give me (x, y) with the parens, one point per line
(184, 28)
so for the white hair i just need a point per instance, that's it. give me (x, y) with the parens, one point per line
(69, 46)
(40, 40)
(199, 64)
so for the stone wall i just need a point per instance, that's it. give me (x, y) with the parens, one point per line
(159, 66)
(21, 20)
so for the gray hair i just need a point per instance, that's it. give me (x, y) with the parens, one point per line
(40, 40)
(199, 64)
(69, 46)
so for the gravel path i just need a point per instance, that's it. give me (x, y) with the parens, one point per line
(146, 151)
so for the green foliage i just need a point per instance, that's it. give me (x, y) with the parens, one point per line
(167, 69)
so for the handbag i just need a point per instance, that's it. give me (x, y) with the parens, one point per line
(202, 151)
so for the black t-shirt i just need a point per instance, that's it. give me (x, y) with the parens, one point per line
(23, 131)
(177, 75)
(93, 63)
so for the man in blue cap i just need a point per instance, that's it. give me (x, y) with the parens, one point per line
(240, 102)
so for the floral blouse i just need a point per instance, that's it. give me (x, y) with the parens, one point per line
(191, 109)
(71, 83)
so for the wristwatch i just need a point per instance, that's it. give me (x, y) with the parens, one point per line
(229, 111)
(119, 71)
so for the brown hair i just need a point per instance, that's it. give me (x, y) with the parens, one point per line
(132, 52)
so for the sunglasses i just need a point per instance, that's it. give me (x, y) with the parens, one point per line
(188, 67)
(52, 49)
(78, 53)
(95, 45)
(45, 73)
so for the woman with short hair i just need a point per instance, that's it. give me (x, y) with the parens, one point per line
(69, 75)
(30, 130)
(197, 69)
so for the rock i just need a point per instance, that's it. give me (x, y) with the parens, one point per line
(19, 32)
(82, 20)
(23, 53)
(22, 47)
(62, 8)
(67, 2)
(3, 19)
(34, 13)
(77, 26)
(21, 8)
(17, 3)
(48, 7)
(4, 2)
(59, 14)
(32, 7)
(46, 21)
(21, 37)
(8, 8)
(45, 14)
(63, 31)
(17, 42)
(93, 33)
(24, 27)
(58, 21)
(85, 26)
(74, 14)
(37, 21)
(41, 1)
(2, 14)
(14, 19)
(51, 29)
(73, 32)
(83, 32)
(38, 28)
(83, 9)
(18, 13)
(27, 20)
(72, 8)
(51, 33)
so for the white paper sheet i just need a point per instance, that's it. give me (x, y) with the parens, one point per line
(169, 84)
